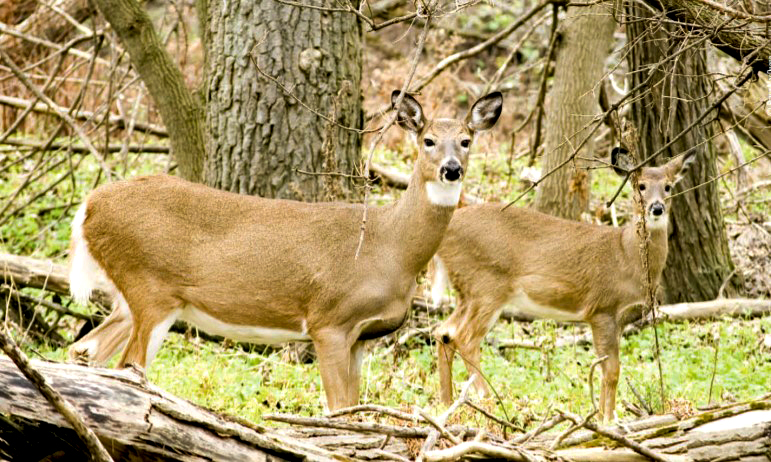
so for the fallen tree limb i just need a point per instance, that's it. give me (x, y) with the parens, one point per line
(72, 416)
(131, 419)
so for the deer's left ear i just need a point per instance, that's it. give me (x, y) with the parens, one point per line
(485, 112)
(678, 166)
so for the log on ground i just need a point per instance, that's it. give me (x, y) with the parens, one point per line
(134, 421)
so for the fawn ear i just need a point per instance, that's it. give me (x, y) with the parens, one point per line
(485, 112)
(409, 114)
(678, 166)
(620, 160)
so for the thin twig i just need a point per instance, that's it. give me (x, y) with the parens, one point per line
(385, 127)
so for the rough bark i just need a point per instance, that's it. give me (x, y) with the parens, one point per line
(751, 110)
(699, 261)
(260, 136)
(134, 421)
(742, 38)
(585, 44)
(181, 112)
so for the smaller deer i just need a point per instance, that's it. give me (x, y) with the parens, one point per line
(551, 268)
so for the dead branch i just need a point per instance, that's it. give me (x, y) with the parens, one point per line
(65, 117)
(116, 120)
(484, 449)
(376, 409)
(362, 427)
(636, 447)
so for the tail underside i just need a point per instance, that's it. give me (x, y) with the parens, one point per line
(84, 270)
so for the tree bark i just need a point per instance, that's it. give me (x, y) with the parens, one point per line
(181, 112)
(580, 64)
(738, 36)
(699, 261)
(261, 138)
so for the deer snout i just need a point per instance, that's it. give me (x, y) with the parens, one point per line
(451, 170)
(657, 209)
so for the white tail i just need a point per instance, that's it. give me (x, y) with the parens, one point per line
(266, 271)
(550, 268)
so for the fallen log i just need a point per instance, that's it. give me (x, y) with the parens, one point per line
(134, 421)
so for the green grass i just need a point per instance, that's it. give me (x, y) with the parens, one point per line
(249, 384)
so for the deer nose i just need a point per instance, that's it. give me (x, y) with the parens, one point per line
(451, 170)
(657, 209)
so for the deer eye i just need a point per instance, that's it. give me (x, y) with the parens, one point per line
(465, 143)
(667, 188)
(428, 142)
(642, 187)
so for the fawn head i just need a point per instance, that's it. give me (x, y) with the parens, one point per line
(444, 144)
(655, 183)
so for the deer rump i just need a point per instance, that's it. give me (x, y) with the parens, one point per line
(247, 269)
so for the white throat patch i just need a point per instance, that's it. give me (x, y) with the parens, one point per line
(446, 194)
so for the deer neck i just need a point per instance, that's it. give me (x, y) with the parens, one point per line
(417, 224)
(657, 249)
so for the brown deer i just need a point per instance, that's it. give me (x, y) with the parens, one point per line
(550, 268)
(268, 270)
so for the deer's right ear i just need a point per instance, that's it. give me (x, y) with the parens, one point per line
(409, 114)
(620, 160)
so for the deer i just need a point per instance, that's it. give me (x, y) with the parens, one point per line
(268, 270)
(550, 268)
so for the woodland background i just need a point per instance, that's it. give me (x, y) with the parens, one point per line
(282, 99)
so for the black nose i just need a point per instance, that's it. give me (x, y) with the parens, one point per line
(657, 209)
(451, 171)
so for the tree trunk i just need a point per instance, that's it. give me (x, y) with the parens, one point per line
(573, 102)
(698, 261)
(261, 139)
(180, 111)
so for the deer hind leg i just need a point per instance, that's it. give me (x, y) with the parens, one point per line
(101, 344)
(462, 333)
(153, 316)
(605, 334)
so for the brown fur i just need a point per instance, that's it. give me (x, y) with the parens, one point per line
(593, 272)
(166, 244)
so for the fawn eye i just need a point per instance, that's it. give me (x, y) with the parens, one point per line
(667, 188)
(465, 143)
(428, 142)
(642, 187)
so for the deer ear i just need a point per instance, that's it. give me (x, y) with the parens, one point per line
(620, 160)
(485, 112)
(409, 115)
(678, 166)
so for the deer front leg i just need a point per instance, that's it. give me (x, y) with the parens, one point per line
(358, 350)
(605, 334)
(334, 353)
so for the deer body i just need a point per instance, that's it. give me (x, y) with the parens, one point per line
(550, 268)
(264, 270)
